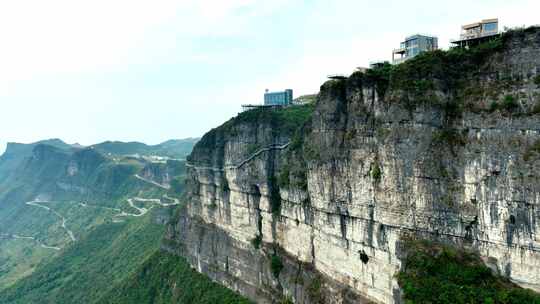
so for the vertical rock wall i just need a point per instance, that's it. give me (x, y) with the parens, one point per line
(375, 168)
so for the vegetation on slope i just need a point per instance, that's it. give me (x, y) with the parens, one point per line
(171, 148)
(165, 278)
(91, 267)
(108, 256)
(293, 171)
(306, 99)
(454, 72)
(89, 191)
(436, 273)
(417, 78)
(18, 258)
(284, 122)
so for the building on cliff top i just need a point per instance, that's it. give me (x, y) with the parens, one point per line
(283, 98)
(273, 99)
(478, 32)
(414, 45)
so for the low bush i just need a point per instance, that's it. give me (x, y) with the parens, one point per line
(509, 103)
(224, 185)
(314, 290)
(437, 273)
(276, 265)
(493, 106)
(536, 80)
(376, 172)
(284, 120)
(287, 300)
(449, 136)
(257, 241)
(283, 178)
(275, 197)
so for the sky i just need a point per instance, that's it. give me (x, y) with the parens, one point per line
(149, 71)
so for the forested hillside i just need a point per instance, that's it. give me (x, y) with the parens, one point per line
(78, 225)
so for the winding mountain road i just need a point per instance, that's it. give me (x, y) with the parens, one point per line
(141, 211)
(31, 238)
(37, 203)
(86, 205)
(166, 187)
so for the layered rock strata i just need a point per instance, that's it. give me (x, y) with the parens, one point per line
(317, 215)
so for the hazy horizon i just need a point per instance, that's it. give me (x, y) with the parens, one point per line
(91, 144)
(88, 72)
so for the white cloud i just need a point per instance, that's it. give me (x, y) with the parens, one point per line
(380, 27)
(67, 36)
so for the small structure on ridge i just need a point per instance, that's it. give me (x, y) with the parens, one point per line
(478, 32)
(414, 45)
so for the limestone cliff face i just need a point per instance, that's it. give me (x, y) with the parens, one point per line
(448, 147)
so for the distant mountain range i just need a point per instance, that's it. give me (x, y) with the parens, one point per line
(77, 223)
(174, 148)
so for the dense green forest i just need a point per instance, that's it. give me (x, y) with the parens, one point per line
(439, 273)
(165, 278)
(89, 268)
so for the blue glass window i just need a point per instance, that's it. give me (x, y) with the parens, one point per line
(490, 27)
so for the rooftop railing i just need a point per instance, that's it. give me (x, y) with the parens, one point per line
(420, 34)
(475, 35)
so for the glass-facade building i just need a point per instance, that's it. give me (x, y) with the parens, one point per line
(484, 28)
(478, 32)
(414, 45)
(278, 98)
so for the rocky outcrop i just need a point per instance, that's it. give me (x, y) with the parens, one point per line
(446, 146)
(163, 172)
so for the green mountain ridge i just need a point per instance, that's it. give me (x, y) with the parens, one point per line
(171, 148)
(75, 222)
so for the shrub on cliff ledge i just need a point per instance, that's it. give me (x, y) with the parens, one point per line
(448, 71)
(537, 80)
(283, 178)
(257, 241)
(422, 79)
(276, 265)
(380, 77)
(376, 172)
(451, 137)
(275, 196)
(509, 103)
(436, 273)
(314, 290)
(283, 120)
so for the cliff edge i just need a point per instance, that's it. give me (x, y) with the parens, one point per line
(313, 203)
